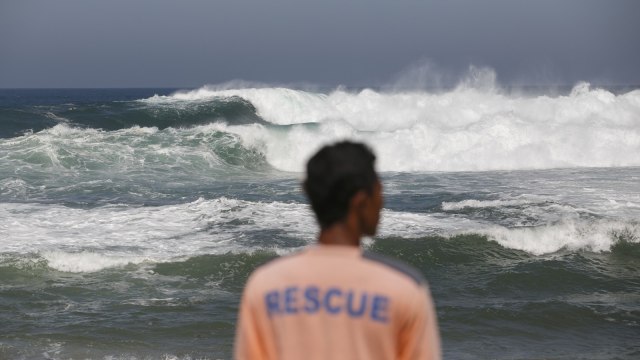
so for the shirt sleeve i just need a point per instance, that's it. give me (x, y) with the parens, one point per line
(420, 338)
(250, 342)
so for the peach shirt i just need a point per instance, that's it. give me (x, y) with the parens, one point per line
(336, 302)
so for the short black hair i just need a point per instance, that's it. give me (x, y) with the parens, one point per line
(336, 173)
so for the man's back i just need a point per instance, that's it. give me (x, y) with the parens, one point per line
(336, 302)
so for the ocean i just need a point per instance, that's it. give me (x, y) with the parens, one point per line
(130, 219)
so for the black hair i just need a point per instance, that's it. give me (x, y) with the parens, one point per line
(334, 175)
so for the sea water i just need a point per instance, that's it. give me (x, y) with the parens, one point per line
(130, 219)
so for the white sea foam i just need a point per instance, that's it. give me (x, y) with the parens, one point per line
(452, 206)
(280, 106)
(93, 239)
(87, 261)
(468, 128)
(571, 235)
(405, 224)
(70, 149)
(87, 240)
(14, 187)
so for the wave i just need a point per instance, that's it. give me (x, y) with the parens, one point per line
(117, 115)
(619, 240)
(65, 147)
(15, 122)
(87, 261)
(478, 204)
(88, 240)
(280, 106)
(570, 235)
(466, 129)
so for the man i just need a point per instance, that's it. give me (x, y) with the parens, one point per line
(331, 300)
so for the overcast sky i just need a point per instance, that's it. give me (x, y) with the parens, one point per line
(189, 43)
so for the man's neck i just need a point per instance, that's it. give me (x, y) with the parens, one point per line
(340, 234)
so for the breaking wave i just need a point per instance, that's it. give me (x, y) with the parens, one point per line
(469, 128)
(89, 240)
(465, 129)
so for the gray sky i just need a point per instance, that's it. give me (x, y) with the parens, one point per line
(144, 43)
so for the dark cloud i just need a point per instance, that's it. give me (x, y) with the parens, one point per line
(81, 43)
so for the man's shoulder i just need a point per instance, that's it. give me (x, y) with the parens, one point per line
(377, 270)
(396, 266)
(385, 263)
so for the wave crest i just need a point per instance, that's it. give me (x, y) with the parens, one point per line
(570, 235)
(465, 129)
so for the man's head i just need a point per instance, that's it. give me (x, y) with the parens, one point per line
(341, 182)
